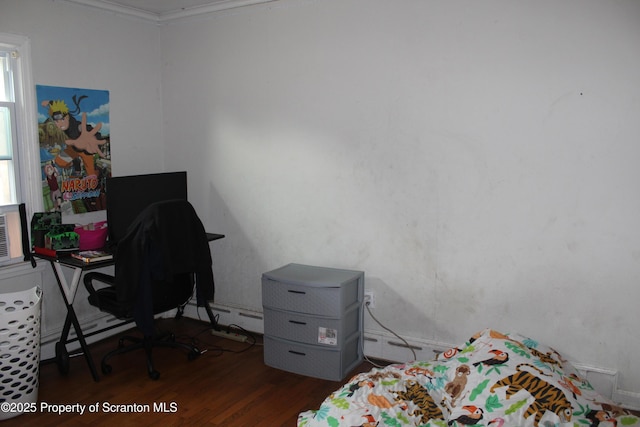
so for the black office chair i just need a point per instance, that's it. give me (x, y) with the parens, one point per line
(164, 252)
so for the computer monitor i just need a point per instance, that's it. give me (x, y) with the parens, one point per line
(127, 196)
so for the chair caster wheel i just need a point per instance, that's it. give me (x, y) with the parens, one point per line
(106, 369)
(62, 358)
(193, 354)
(154, 375)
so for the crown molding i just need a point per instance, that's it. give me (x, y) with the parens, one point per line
(168, 16)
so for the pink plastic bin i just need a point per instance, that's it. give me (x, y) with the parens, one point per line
(92, 239)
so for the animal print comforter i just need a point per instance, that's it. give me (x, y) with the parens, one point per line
(493, 380)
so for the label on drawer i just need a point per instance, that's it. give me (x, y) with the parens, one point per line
(327, 336)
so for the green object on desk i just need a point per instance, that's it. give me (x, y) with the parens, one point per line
(61, 241)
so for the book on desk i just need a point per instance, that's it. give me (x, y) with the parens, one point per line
(92, 256)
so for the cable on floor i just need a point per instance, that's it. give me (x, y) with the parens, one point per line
(366, 305)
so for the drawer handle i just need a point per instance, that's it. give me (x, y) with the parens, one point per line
(297, 322)
(297, 352)
(296, 292)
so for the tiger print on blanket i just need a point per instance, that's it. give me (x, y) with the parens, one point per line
(547, 397)
(427, 407)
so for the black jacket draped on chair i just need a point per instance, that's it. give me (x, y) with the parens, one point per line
(153, 250)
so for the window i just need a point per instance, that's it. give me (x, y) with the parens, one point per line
(8, 172)
(19, 156)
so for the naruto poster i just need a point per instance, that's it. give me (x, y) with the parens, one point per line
(75, 148)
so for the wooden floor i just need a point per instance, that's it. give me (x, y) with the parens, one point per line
(229, 385)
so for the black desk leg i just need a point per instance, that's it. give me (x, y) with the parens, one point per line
(62, 356)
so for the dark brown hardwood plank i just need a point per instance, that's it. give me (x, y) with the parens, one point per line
(229, 385)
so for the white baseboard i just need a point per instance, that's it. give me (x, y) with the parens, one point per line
(628, 399)
(48, 341)
(250, 320)
(603, 380)
(383, 346)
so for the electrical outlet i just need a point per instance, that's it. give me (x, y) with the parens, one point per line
(370, 299)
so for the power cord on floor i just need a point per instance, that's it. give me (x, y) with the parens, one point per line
(366, 305)
(218, 350)
(251, 339)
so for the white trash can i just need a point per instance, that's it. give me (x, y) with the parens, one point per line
(19, 351)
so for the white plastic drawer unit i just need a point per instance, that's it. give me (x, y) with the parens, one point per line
(323, 331)
(309, 360)
(327, 300)
(313, 320)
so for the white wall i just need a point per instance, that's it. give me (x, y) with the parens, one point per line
(477, 161)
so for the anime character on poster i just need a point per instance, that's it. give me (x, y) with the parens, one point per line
(54, 189)
(73, 126)
(82, 140)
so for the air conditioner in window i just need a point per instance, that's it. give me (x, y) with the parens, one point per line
(4, 239)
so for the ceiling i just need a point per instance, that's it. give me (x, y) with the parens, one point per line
(163, 7)
(164, 10)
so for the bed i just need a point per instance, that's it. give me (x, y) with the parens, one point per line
(494, 380)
